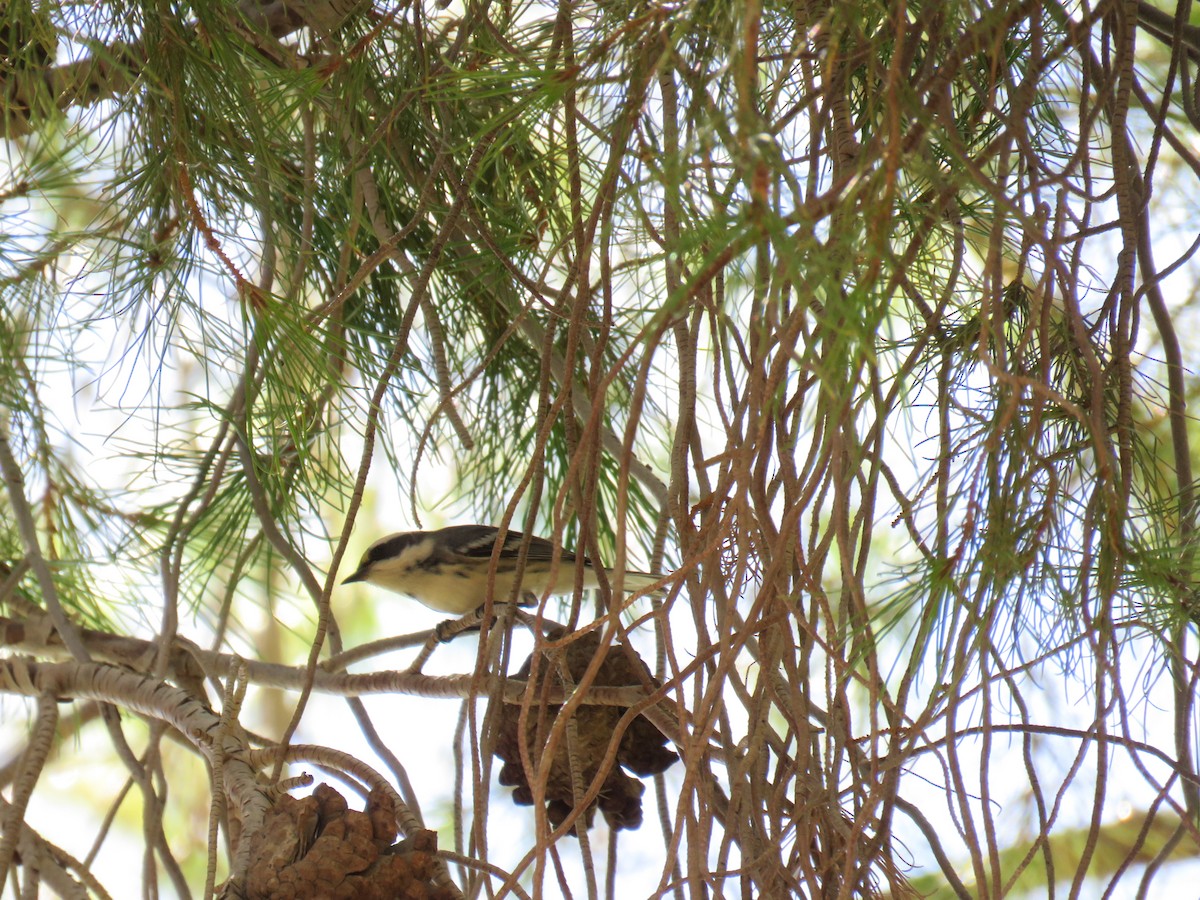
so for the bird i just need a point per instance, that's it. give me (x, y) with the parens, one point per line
(447, 569)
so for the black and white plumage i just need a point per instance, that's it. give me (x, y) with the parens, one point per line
(447, 569)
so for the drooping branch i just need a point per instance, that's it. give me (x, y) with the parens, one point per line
(111, 70)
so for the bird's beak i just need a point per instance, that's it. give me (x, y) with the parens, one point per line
(360, 575)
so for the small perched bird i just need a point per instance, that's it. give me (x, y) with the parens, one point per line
(447, 569)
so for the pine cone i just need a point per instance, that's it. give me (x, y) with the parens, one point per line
(642, 748)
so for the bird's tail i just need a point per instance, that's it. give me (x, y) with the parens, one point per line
(636, 581)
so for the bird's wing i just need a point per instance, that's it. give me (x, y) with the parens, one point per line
(478, 540)
(539, 548)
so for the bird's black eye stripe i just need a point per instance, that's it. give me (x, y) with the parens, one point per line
(391, 547)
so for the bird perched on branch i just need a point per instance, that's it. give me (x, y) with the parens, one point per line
(447, 569)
